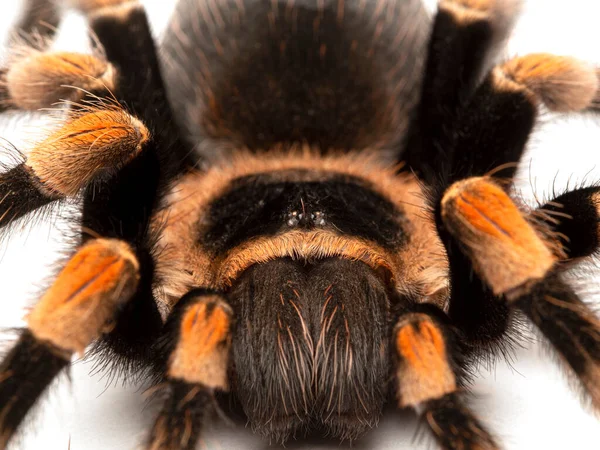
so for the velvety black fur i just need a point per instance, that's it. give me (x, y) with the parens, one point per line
(20, 194)
(449, 79)
(259, 205)
(574, 214)
(122, 206)
(492, 130)
(335, 78)
(482, 318)
(310, 353)
(25, 374)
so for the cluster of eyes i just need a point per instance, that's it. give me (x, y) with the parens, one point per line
(296, 217)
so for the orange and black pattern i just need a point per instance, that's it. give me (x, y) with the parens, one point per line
(304, 206)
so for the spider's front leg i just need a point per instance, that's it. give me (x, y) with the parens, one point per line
(81, 305)
(36, 78)
(196, 348)
(431, 375)
(121, 166)
(522, 270)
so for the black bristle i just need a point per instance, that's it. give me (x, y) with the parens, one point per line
(455, 427)
(575, 217)
(186, 410)
(20, 194)
(25, 374)
(570, 326)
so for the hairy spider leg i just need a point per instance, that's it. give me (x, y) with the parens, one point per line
(82, 304)
(431, 377)
(515, 263)
(196, 349)
(141, 156)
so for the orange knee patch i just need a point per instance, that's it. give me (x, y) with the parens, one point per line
(504, 248)
(424, 371)
(92, 5)
(202, 352)
(85, 147)
(81, 303)
(482, 6)
(42, 79)
(562, 83)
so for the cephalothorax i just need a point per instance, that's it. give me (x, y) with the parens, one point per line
(297, 207)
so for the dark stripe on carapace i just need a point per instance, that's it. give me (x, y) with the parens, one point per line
(270, 204)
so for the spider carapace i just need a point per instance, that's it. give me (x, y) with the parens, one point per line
(305, 204)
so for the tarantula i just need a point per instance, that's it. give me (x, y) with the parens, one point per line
(295, 206)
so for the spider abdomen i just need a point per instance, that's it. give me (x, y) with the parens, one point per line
(323, 72)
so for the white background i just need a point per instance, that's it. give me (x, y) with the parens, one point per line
(529, 406)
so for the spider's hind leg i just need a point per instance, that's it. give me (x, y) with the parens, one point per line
(122, 161)
(119, 148)
(97, 136)
(37, 78)
(125, 204)
(78, 308)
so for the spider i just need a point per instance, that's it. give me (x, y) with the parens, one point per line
(305, 205)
